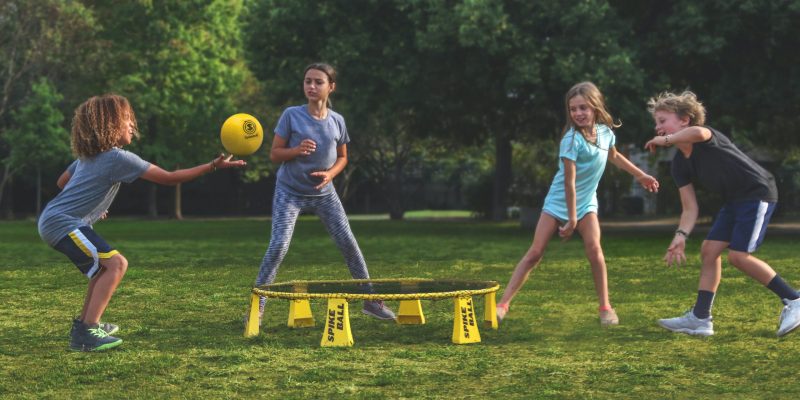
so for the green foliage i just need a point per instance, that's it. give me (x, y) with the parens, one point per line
(180, 64)
(414, 74)
(181, 303)
(38, 139)
(739, 57)
(535, 165)
(39, 39)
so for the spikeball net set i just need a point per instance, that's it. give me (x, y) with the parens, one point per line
(409, 292)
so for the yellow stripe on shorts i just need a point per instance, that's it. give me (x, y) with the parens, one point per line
(110, 254)
(80, 244)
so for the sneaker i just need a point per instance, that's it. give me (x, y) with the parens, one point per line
(378, 310)
(92, 338)
(790, 316)
(689, 324)
(608, 317)
(109, 328)
(502, 310)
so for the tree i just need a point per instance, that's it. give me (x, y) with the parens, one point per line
(496, 71)
(371, 43)
(38, 139)
(180, 63)
(39, 38)
(739, 57)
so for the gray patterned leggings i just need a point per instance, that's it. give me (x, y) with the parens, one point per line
(286, 207)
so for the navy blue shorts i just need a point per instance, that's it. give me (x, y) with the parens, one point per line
(85, 249)
(742, 224)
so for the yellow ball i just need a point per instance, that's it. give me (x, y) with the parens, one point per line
(241, 134)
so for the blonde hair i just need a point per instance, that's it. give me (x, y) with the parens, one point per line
(592, 95)
(684, 105)
(99, 123)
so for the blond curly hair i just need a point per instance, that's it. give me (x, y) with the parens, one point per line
(684, 105)
(99, 124)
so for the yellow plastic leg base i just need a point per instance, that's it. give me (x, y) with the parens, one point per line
(490, 310)
(300, 314)
(465, 329)
(251, 328)
(410, 313)
(337, 325)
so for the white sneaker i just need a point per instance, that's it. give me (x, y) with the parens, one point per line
(377, 309)
(690, 324)
(790, 317)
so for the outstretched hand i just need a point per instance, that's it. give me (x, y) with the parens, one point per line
(655, 142)
(223, 161)
(649, 183)
(676, 252)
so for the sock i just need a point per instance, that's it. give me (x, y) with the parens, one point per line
(702, 308)
(782, 289)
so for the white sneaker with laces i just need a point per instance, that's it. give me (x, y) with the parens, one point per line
(690, 324)
(790, 316)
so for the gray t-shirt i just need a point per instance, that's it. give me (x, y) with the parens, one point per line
(91, 189)
(295, 125)
(722, 168)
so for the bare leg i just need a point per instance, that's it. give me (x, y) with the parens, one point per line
(102, 287)
(711, 270)
(545, 229)
(589, 229)
(752, 266)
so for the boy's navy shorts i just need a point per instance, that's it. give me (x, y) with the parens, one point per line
(85, 249)
(742, 224)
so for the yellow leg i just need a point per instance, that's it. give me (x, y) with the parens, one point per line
(410, 313)
(490, 310)
(465, 329)
(300, 314)
(252, 317)
(337, 325)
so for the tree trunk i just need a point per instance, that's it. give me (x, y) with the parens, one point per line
(152, 201)
(38, 191)
(4, 181)
(502, 177)
(8, 211)
(178, 212)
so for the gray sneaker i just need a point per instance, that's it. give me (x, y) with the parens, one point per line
(790, 317)
(689, 324)
(378, 310)
(109, 328)
(92, 338)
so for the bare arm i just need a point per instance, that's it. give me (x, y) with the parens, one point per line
(676, 250)
(281, 153)
(63, 179)
(685, 136)
(569, 194)
(621, 162)
(163, 177)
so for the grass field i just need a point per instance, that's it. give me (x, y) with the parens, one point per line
(181, 303)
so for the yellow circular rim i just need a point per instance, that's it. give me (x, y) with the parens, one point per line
(358, 296)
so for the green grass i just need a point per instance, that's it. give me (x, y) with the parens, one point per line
(181, 303)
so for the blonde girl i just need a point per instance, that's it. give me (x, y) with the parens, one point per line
(571, 204)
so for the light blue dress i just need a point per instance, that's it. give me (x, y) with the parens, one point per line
(590, 162)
